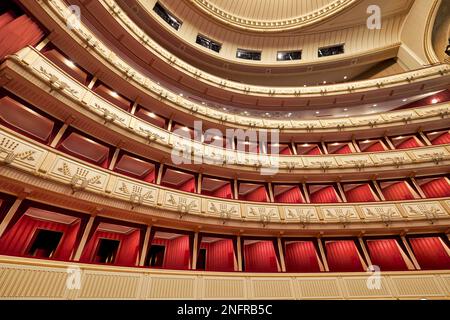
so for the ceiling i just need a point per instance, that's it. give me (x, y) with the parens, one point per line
(269, 15)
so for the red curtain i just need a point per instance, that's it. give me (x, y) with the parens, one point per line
(409, 143)
(17, 116)
(258, 195)
(223, 192)
(314, 151)
(85, 148)
(437, 188)
(75, 72)
(342, 256)
(260, 256)
(285, 151)
(301, 256)
(112, 97)
(18, 239)
(128, 248)
(188, 186)
(343, 150)
(219, 255)
(376, 147)
(177, 254)
(362, 193)
(442, 139)
(386, 254)
(17, 33)
(324, 195)
(430, 253)
(398, 191)
(292, 195)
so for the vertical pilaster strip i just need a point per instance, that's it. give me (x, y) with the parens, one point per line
(84, 238)
(411, 253)
(280, 250)
(195, 251)
(145, 246)
(322, 254)
(239, 252)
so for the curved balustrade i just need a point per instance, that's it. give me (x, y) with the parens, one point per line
(137, 129)
(53, 166)
(433, 74)
(140, 283)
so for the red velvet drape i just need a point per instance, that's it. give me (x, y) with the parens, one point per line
(409, 143)
(398, 191)
(442, 139)
(219, 255)
(343, 150)
(223, 192)
(292, 195)
(178, 252)
(430, 253)
(18, 239)
(386, 254)
(188, 186)
(301, 256)
(260, 257)
(258, 195)
(376, 147)
(362, 193)
(314, 151)
(128, 249)
(436, 188)
(324, 195)
(17, 33)
(342, 256)
(286, 151)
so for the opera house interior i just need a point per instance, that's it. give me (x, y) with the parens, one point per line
(224, 149)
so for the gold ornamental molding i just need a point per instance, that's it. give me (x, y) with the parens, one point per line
(292, 23)
(58, 11)
(29, 64)
(113, 282)
(46, 168)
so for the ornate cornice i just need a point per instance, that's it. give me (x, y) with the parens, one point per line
(103, 54)
(292, 23)
(32, 63)
(46, 165)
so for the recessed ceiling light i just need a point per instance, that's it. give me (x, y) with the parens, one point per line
(289, 114)
(224, 109)
(434, 101)
(181, 94)
(346, 109)
(203, 103)
(375, 105)
(345, 77)
(404, 100)
(305, 145)
(70, 63)
(304, 85)
(324, 82)
(366, 141)
(317, 112)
